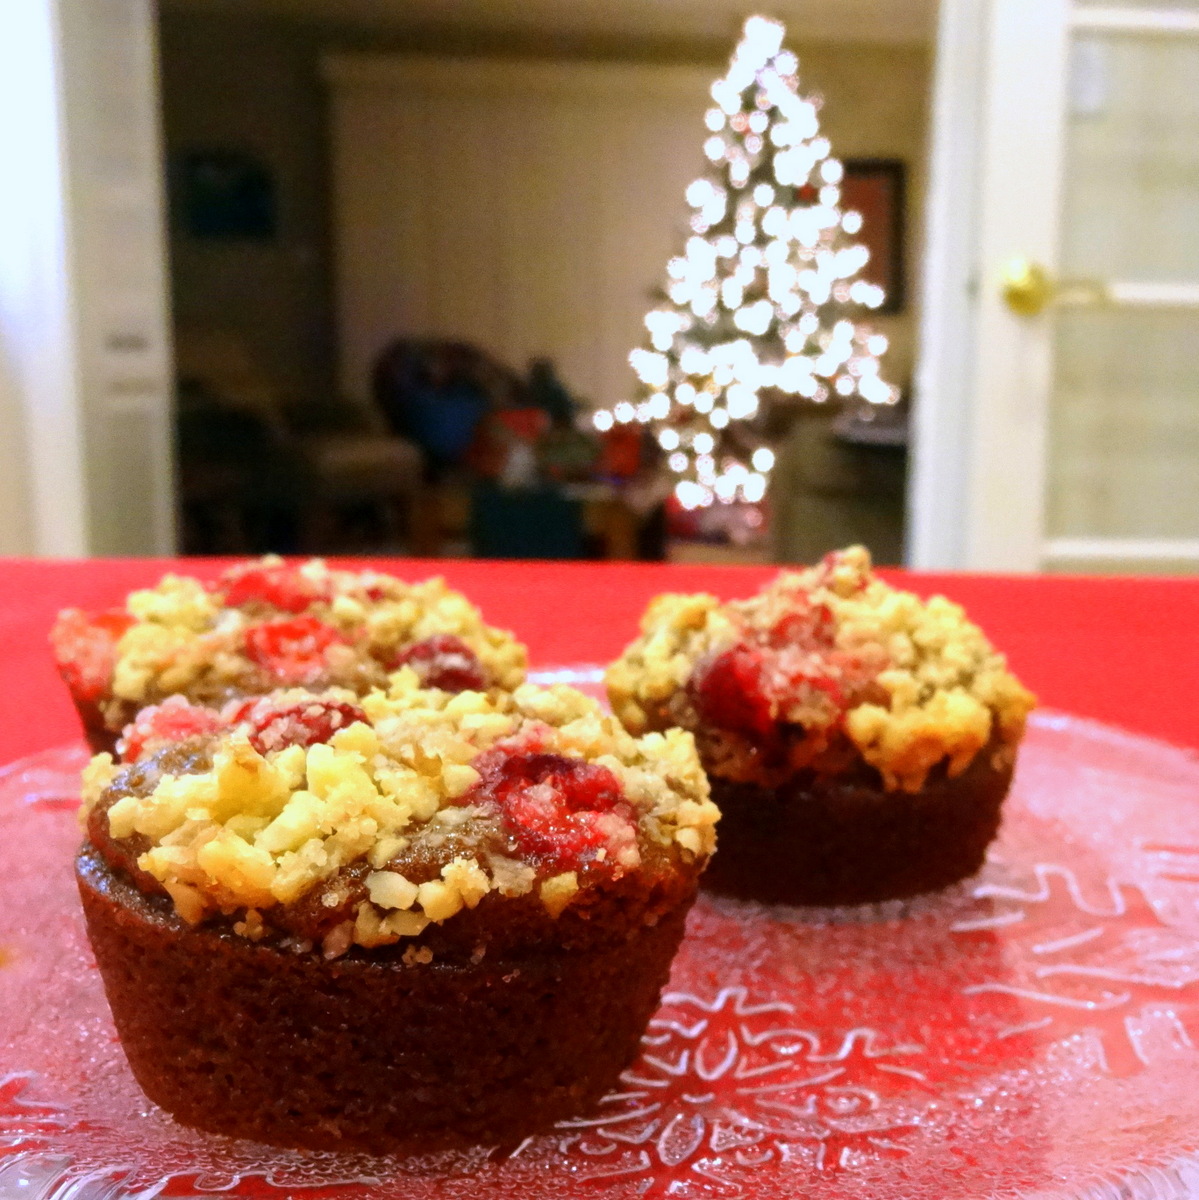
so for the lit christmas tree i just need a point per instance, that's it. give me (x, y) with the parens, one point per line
(764, 301)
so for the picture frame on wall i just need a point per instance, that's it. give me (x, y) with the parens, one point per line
(877, 188)
(225, 195)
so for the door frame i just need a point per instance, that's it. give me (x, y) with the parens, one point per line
(46, 506)
(977, 490)
(86, 375)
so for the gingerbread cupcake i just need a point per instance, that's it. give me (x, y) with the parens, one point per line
(859, 740)
(409, 920)
(267, 624)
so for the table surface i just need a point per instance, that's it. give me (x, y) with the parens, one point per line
(1119, 650)
(1122, 651)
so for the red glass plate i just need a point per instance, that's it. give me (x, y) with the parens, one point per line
(1029, 1033)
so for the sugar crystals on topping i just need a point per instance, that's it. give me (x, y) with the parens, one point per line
(819, 663)
(268, 623)
(564, 812)
(537, 791)
(292, 650)
(174, 720)
(444, 661)
(278, 723)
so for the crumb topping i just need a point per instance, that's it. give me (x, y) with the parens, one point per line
(268, 624)
(398, 809)
(819, 667)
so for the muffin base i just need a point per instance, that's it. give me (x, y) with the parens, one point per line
(99, 737)
(847, 840)
(366, 1052)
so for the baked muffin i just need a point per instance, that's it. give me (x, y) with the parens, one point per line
(410, 920)
(267, 624)
(859, 740)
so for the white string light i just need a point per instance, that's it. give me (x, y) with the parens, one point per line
(766, 294)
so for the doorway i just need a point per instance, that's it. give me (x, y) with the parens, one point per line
(1058, 426)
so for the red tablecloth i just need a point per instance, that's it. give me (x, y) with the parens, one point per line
(1125, 651)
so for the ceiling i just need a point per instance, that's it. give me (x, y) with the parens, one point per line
(894, 21)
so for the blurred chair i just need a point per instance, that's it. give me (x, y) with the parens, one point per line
(436, 393)
(241, 489)
(439, 394)
(258, 471)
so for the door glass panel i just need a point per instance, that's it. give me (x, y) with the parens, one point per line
(1160, 5)
(1132, 159)
(1124, 416)
(1124, 425)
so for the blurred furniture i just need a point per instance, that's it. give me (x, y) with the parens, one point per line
(536, 522)
(506, 471)
(832, 487)
(436, 393)
(259, 472)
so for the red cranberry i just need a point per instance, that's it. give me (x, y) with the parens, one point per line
(562, 811)
(280, 586)
(446, 662)
(808, 626)
(237, 711)
(728, 691)
(85, 648)
(174, 720)
(292, 650)
(791, 672)
(274, 726)
(815, 686)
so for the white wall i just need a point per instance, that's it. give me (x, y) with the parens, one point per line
(529, 208)
(274, 112)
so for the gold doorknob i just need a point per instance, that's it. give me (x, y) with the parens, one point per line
(1027, 288)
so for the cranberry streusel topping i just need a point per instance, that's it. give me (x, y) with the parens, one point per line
(821, 666)
(363, 820)
(268, 624)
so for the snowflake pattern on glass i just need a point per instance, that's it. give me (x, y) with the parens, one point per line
(1033, 1030)
(729, 1086)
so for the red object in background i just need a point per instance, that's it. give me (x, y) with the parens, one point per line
(528, 424)
(737, 524)
(1116, 649)
(621, 452)
(492, 444)
(681, 522)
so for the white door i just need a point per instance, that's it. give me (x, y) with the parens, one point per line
(85, 363)
(1057, 422)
